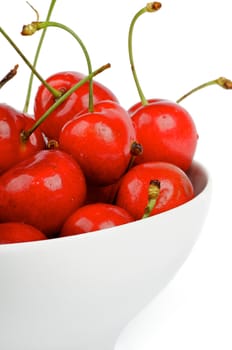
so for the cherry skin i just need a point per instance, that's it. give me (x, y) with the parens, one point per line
(167, 132)
(100, 142)
(94, 217)
(73, 105)
(18, 232)
(175, 188)
(13, 148)
(42, 191)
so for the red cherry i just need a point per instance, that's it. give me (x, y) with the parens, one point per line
(16, 232)
(73, 105)
(13, 148)
(167, 132)
(93, 217)
(42, 191)
(100, 142)
(175, 188)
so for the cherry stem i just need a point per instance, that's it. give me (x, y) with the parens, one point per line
(135, 151)
(222, 82)
(9, 76)
(34, 26)
(27, 133)
(29, 90)
(153, 194)
(54, 92)
(150, 7)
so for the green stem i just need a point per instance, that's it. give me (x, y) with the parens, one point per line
(55, 92)
(34, 26)
(26, 133)
(153, 194)
(29, 90)
(150, 7)
(222, 82)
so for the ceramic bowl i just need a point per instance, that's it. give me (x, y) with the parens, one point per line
(79, 292)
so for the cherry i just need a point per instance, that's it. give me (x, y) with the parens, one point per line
(86, 96)
(13, 146)
(100, 142)
(167, 132)
(175, 188)
(42, 191)
(93, 217)
(60, 101)
(18, 232)
(77, 102)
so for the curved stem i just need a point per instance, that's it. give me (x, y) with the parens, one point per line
(222, 82)
(55, 92)
(29, 89)
(42, 25)
(150, 7)
(26, 133)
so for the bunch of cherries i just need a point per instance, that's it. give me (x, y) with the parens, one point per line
(82, 162)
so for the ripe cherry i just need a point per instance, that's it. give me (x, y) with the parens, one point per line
(100, 142)
(93, 217)
(85, 97)
(13, 146)
(167, 132)
(18, 232)
(42, 191)
(78, 101)
(175, 188)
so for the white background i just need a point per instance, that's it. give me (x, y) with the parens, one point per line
(183, 45)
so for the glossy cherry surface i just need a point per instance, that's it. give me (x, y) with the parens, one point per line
(167, 133)
(100, 142)
(18, 232)
(42, 191)
(13, 148)
(94, 217)
(175, 188)
(78, 100)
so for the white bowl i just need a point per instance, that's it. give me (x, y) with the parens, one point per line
(79, 292)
